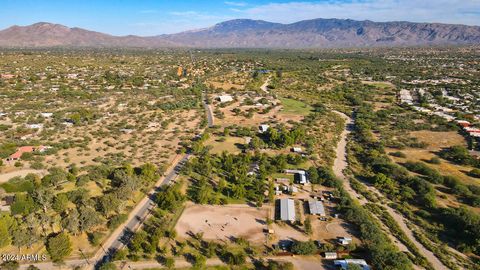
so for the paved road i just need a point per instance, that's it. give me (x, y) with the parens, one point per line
(136, 217)
(340, 164)
(208, 110)
(133, 223)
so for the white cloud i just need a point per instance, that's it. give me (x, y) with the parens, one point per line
(444, 11)
(236, 4)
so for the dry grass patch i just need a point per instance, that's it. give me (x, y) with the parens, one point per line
(436, 142)
(229, 144)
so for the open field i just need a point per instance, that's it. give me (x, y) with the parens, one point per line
(223, 222)
(380, 84)
(436, 142)
(292, 106)
(230, 144)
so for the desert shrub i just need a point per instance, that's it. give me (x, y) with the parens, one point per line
(398, 154)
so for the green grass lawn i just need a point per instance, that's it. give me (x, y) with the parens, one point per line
(292, 106)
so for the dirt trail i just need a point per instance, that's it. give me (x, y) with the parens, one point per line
(341, 164)
(4, 177)
(265, 85)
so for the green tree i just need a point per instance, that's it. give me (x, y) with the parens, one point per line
(7, 222)
(199, 261)
(274, 265)
(304, 248)
(59, 247)
(72, 222)
(23, 204)
(308, 226)
(88, 218)
(10, 265)
(169, 262)
(108, 266)
(21, 237)
(60, 203)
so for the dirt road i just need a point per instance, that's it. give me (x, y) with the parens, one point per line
(4, 177)
(341, 164)
(300, 263)
(265, 85)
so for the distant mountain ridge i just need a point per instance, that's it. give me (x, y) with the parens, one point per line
(245, 33)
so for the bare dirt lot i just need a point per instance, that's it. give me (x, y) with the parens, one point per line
(223, 222)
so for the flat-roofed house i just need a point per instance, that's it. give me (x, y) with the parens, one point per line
(225, 98)
(26, 149)
(287, 210)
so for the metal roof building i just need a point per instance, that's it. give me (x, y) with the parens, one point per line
(316, 208)
(343, 264)
(287, 210)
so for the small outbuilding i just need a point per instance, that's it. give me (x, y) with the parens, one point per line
(330, 255)
(296, 149)
(263, 128)
(225, 98)
(344, 240)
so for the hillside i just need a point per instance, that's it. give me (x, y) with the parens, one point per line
(243, 33)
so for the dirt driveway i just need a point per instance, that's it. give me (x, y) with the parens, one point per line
(4, 177)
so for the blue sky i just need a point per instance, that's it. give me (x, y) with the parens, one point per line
(150, 17)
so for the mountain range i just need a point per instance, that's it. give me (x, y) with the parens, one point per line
(245, 33)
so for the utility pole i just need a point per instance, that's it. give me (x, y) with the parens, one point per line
(84, 257)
